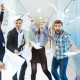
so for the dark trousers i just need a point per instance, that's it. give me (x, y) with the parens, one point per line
(1, 59)
(22, 72)
(62, 63)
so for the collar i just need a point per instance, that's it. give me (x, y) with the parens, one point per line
(18, 31)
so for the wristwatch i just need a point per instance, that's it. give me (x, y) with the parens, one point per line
(2, 9)
(32, 20)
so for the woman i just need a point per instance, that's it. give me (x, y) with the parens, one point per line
(2, 42)
(38, 55)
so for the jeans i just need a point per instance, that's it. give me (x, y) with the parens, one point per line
(62, 64)
(1, 59)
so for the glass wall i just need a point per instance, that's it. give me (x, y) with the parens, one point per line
(72, 26)
(15, 9)
(71, 9)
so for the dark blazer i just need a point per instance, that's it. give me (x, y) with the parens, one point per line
(2, 41)
(12, 41)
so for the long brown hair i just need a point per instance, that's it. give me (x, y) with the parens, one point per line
(38, 31)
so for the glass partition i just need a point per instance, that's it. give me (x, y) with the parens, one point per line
(72, 26)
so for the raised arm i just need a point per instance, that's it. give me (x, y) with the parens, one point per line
(2, 13)
(32, 27)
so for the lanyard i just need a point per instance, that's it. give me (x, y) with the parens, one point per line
(38, 37)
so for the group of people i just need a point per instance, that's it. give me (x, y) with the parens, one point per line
(62, 41)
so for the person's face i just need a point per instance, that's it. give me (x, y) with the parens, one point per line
(57, 28)
(40, 26)
(18, 24)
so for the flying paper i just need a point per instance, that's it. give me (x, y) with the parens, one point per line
(12, 63)
(26, 53)
(60, 15)
(7, 3)
(35, 45)
(26, 22)
(70, 53)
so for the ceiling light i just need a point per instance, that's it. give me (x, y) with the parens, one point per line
(40, 17)
(67, 10)
(39, 10)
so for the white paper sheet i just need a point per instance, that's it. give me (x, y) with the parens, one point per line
(60, 15)
(7, 3)
(48, 52)
(70, 53)
(54, 6)
(14, 18)
(26, 22)
(35, 45)
(20, 37)
(26, 53)
(12, 63)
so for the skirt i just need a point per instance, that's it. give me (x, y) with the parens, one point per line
(38, 56)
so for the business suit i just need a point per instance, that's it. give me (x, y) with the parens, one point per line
(12, 45)
(2, 41)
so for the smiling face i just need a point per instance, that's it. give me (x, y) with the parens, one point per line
(58, 26)
(18, 24)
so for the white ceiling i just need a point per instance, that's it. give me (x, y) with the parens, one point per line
(32, 5)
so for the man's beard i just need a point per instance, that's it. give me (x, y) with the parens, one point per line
(58, 31)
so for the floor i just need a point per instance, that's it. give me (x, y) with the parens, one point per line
(40, 75)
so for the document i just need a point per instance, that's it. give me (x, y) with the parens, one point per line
(54, 6)
(26, 22)
(60, 15)
(48, 52)
(70, 53)
(20, 37)
(7, 3)
(35, 45)
(26, 53)
(12, 63)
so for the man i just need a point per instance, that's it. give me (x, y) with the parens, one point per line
(12, 45)
(62, 44)
(2, 41)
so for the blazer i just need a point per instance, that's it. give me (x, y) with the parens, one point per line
(2, 41)
(12, 41)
